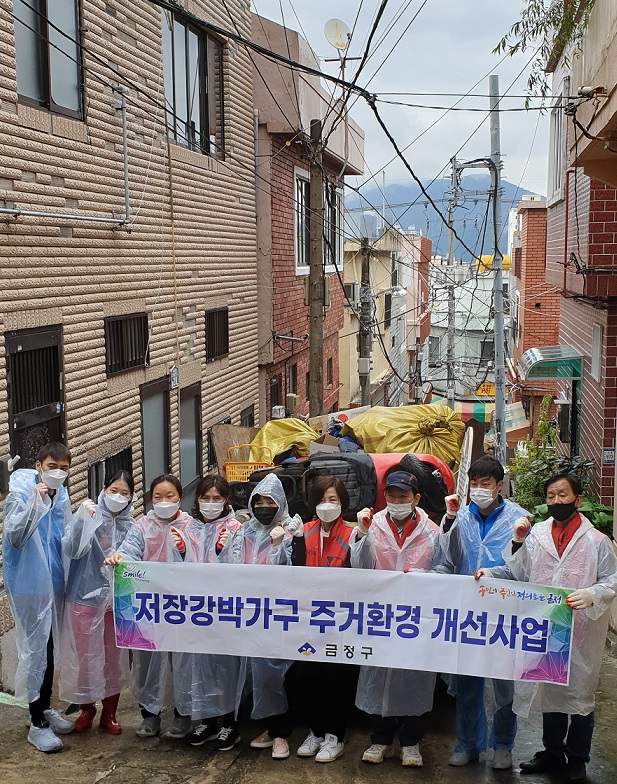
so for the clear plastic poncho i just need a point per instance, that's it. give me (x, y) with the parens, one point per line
(463, 551)
(92, 666)
(386, 691)
(268, 675)
(209, 685)
(34, 575)
(589, 561)
(150, 539)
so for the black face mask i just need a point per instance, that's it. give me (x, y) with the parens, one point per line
(265, 514)
(561, 512)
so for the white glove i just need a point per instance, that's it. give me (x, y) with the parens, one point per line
(224, 539)
(522, 526)
(277, 535)
(365, 518)
(295, 526)
(90, 507)
(482, 572)
(580, 599)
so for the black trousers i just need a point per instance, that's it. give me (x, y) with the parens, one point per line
(329, 690)
(568, 734)
(43, 703)
(408, 728)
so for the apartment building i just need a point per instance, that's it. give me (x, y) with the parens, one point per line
(285, 103)
(127, 259)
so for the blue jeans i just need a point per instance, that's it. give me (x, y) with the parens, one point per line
(471, 717)
(574, 740)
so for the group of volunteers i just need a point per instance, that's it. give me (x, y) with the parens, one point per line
(58, 568)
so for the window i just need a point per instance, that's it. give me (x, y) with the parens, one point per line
(557, 143)
(307, 385)
(103, 470)
(247, 417)
(292, 379)
(126, 342)
(193, 67)
(217, 334)
(434, 350)
(46, 61)
(190, 441)
(275, 385)
(487, 351)
(329, 376)
(394, 273)
(155, 436)
(333, 229)
(352, 294)
(387, 311)
(596, 352)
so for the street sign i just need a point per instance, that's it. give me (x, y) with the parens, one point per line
(486, 389)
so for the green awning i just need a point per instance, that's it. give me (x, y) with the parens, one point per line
(550, 362)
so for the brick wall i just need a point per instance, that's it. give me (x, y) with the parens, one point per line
(59, 272)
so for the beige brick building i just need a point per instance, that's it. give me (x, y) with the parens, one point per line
(182, 266)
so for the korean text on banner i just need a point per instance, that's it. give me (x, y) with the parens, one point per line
(432, 622)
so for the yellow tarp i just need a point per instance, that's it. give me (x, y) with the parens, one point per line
(281, 434)
(434, 430)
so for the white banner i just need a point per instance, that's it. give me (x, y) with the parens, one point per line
(439, 623)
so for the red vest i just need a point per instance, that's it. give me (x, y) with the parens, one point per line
(335, 546)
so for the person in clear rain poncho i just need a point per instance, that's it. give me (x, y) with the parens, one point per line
(565, 551)
(472, 538)
(93, 668)
(267, 542)
(158, 536)
(36, 510)
(400, 538)
(207, 686)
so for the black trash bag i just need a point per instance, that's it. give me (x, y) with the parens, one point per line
(430, 485)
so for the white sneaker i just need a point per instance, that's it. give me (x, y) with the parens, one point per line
(377, 753)
(502, 759)
(411, 756)
(311, 745)
(44, 739)
(57, 722)
(330, 749)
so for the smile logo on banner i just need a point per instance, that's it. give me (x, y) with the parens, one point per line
(306, 649)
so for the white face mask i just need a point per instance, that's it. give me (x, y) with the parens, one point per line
(328, 512)
(210, 510)
(53, 479)
(166, 510)
(116, 502)
(482, 497)
(400, 511)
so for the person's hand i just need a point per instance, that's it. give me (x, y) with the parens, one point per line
(522, 526)
(224, 539)
(90, 507)
(482, 572)
(580, 599)
(295, 526)
(42, 489)
(114, 559)
(276, 536)
(365, 518)
(453, 503)
(178, 540)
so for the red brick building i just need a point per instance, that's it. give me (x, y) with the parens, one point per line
(283, 113)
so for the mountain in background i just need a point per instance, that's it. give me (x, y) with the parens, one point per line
(363, 214)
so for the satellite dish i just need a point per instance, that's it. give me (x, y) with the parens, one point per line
(337, 34)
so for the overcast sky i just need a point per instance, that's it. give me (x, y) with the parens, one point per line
(447, 49)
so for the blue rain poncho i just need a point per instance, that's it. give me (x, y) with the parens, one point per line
(208, 685)
(33, 574)
(386, 691)
(589, 561)
(150, 539)
(268, 675)
(92, 668)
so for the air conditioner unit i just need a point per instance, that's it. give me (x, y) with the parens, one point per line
(291, 401)
(278, 412)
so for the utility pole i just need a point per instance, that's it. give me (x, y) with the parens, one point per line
(316, 273)
(500, 365)
(451, 329)
(364, 354)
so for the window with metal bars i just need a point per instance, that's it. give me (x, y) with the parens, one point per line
(126, 342)
(102, 471)
(217, 334)
(387, 311)
(247, 416)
